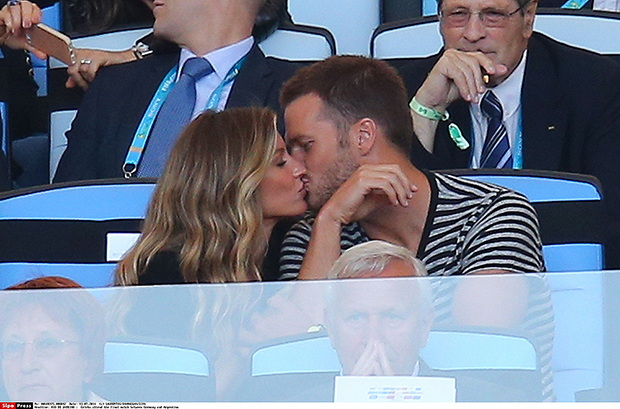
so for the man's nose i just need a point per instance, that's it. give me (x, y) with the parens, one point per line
(373, 330)
(299, 169)
(298, 155)
(474, 30)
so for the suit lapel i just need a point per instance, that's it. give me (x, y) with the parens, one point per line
(252, 85)
(450, 156)
(544, 122)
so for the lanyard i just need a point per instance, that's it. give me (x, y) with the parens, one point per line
(574, 4)
(517, 152)
(134, 154)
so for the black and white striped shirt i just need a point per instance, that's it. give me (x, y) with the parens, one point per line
(471, 226)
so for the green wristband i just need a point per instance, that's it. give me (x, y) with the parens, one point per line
(427, 112)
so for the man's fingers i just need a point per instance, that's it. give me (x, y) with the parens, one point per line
(386, 367)
(465, 72)
(477, 66)
(365, 363)
(376, 369)
(390, 180)
(391, 169)
(387, 185)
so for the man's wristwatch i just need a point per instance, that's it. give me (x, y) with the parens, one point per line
(141, 50)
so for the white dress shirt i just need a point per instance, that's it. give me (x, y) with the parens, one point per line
(222, 60)
(509, 95)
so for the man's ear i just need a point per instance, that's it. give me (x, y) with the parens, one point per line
(364, 135)
(529, 12)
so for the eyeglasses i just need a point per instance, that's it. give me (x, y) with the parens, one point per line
(459, 17)
(43, 347)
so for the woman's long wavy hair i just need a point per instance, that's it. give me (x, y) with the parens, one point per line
(206, 205)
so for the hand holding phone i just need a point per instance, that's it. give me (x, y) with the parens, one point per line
(52, 42)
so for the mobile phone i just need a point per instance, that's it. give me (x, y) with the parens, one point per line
(52, 42)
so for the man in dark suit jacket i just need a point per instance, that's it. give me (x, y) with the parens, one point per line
(116, 102)
(566, 118)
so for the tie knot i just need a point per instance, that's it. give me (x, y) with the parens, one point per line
(491, 106)
(197, 68)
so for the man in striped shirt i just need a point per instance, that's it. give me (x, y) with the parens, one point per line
(347, 118)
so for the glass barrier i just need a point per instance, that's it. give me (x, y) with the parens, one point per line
(474, 338)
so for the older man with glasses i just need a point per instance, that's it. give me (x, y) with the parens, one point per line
(500, 95)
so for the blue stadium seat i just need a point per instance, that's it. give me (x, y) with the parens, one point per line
(72, 222)
(593, 30)
(312, 353)
(132, 356)
(351, 21)
(297, 42)
(447, 349)
(60, 123)
(140, 370)
(87, 275)
(413, 38)
(569, 243)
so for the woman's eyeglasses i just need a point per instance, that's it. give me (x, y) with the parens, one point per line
(43, 347)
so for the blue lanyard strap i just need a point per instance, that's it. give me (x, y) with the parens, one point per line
(574, 4)
(517, 153)
(134, 154)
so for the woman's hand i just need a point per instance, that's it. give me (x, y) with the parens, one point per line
(15, 19)
(88, 62)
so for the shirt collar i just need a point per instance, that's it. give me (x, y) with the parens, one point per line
(222, 59)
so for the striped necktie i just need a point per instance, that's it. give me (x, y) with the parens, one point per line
(174, 115)
(496, 151)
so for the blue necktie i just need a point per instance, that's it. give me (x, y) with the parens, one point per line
(496, 151)
(175, 114)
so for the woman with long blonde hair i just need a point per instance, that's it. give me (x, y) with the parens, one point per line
(227, 182)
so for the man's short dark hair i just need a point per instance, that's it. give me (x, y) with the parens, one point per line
(353, 88)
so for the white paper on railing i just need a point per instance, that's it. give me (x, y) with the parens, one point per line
(117, 244)
(394, 389)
